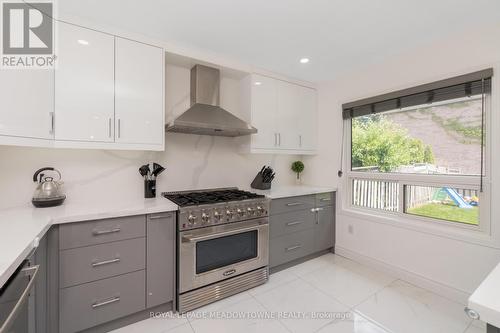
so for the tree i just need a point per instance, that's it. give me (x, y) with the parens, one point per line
(379, 142)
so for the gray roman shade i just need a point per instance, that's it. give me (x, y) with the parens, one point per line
(471, 84)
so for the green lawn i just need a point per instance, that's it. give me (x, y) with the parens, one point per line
(447, 212)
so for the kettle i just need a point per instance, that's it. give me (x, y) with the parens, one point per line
(48, 192)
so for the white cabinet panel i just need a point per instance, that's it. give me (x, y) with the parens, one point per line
(27, 103)
(84, 84)
(139, 116)
(264, 100)
(308, 118)
(285, 115)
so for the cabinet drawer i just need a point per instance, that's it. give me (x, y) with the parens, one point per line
(94, 303)
(289, 247)
(290, 204)
(287, 223)
(91, 263)
(73, 235)
(325, 199)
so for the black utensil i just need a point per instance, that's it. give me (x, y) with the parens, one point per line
(144, 171)
(157, 169)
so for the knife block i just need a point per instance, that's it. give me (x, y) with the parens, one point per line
(258, 183)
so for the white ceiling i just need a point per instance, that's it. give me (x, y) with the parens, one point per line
(337, 35)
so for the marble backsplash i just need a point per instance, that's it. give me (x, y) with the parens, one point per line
(191, 162)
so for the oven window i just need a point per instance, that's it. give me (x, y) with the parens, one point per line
(223, 251)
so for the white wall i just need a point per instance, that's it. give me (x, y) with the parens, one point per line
(192, 161)
(456, 266)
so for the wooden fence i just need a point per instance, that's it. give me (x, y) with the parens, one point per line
(381, 194)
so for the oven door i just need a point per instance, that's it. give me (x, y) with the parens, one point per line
(212, 254)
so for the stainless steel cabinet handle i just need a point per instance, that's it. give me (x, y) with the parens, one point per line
(32, 272)
(104, 232)
(157, 217)
(300, 140)
(106, 302)
(291, 248)
(109, 127)
(119, 128)
(52, 122)
(275, 139)
(279, 139)
(293, 223)
(319, 209)
(325, 199)
(105, 262)
(291, 204)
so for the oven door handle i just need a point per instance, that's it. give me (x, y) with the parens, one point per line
(189, 239)
(32, 273)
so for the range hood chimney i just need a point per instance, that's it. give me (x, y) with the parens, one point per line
(205, 116)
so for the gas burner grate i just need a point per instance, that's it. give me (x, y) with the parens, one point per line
(209, 197)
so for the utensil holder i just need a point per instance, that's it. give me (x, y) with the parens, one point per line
(258, 183)
(149, 188)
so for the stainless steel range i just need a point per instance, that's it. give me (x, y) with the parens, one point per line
(222, 244)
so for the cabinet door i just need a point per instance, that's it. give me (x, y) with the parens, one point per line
(324, 231)
(27, 103)
(139, 93)
(307, 118)
(288, 114)
(264, 107)
(160, 271)
(84, 84)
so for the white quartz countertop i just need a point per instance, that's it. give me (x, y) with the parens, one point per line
(285, 191)
(486, 298)
(22, 227)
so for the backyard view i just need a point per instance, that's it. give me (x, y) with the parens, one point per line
(438, 139)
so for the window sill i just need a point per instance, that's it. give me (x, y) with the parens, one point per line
(423, 225)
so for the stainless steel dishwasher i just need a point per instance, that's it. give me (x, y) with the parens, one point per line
(17, 306)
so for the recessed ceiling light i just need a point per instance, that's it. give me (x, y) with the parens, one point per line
(257, 83)
(83, 42)
(304, 60)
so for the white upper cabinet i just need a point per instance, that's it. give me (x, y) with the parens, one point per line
(27, 103)
(284, 113)
(139, 115)
(264, 102)
(84, 84)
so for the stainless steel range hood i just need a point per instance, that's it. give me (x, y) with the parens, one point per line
(205, 116)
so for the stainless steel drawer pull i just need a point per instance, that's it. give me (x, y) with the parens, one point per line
(294, 204)
(157, 217)
(291, 248)
(293, 223)
(105, 262)
(104, 232)
(106, 302)
(325, 199)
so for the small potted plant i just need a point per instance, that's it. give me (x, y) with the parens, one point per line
(298, 167)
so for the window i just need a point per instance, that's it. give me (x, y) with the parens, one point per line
(421, 151)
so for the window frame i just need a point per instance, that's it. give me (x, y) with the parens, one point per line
(481, 232)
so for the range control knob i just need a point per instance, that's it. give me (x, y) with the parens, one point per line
(240, 212)
(260, 210)
(250, 211)
(205, 217)
(192, 219)
(229, 213)
(217, 216)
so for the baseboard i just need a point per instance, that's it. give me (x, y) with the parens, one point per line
(413, 278)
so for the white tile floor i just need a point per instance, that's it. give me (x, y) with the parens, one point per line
(368, 300)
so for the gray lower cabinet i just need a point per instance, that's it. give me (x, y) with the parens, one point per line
(301, 226)
(103, 270)
(94, 303)
(324, 230)
(160, 279)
